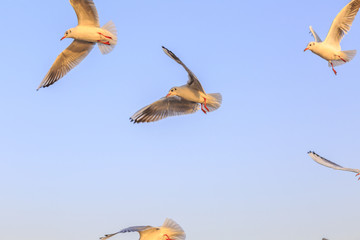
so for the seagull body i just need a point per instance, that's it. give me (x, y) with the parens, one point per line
(170, 230)
(179, 100)
(85, 35)
(330, 48)
(327, 163)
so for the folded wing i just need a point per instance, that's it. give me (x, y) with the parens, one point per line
(193, 81)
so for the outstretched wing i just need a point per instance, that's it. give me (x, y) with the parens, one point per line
(86, 12)
(342, 23)
(66, 61)
(313, 33)
(129, 229)
(165, 107)
(193, 81)
(327, 163)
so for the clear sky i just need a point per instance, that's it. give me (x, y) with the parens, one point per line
(72, 166)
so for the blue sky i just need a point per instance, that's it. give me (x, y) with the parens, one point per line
(72, 166)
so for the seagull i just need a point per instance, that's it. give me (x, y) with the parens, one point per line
(170, 230)
(330, 49)
(179, 100)
(85, 35)
(330, 164)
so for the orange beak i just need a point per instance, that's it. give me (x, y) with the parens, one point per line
(169, 94)
(306, 49)
(62, 38)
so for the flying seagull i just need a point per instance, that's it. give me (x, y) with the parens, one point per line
(330, 49)
(179, 100)
(170, 230)
(85, 35)
(327, 163)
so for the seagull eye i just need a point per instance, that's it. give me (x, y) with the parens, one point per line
(172, 90)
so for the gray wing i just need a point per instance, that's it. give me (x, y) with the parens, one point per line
(129, 229)
(66, 61)
(86, 12)
(193, 81)
(323, 161)
(342, 23)
(165, 107)
(313, 33)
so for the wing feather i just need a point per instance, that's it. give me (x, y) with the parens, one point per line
(193, 80)
(129, 229)
(165, 107)
(66, 61)
(313, 33)
(342, 23)
(86, 12)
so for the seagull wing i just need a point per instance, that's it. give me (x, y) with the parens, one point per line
(193, 82)
(129, 229)
(342, 23)
(327, 163)
(164, 107)
(313, 33)
(66, 61)
(86, 12)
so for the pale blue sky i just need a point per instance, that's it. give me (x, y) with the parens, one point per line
(73, 166)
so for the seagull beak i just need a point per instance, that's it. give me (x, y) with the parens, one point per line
(62, 38)
(169, 94)
(306, 49)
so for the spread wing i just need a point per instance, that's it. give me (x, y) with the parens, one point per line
(165, 107)
(327, 163)
(129, 229)
(66, 61)
(86, 12)
(193, 81)
(313, 33)
(342, 23)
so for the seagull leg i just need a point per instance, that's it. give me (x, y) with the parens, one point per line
(104, 35)
(107, 43)
(205, 105)
(202, 109)
(168, 238)
(357, 175)
(342, 58)
(333, 68)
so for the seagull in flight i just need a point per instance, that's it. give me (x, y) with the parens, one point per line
(85, 35)
(327, 163)
(170, 230)
(179, 100)
(330, 48)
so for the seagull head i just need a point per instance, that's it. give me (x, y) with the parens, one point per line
(172, 92)
(310, 46)
(68, 34)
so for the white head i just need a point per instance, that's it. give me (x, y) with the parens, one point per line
(68, 34)
(310, 46)
(173, 92)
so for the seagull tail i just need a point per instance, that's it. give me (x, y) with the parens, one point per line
(346, 55)
(111, 38)
(213, 101)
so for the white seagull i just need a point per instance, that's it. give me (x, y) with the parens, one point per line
(330, 49)
(170, 230)
(330, 164)
(179, 100)
(85, 35)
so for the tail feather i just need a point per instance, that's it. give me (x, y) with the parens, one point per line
(346, 55)
(110, 28)
(214, 101)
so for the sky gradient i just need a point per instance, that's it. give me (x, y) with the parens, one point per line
(72, 166)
